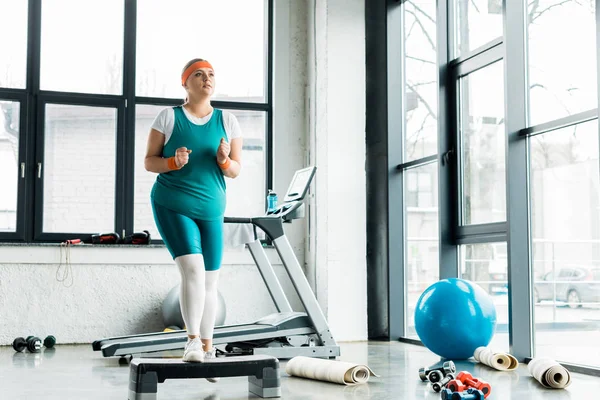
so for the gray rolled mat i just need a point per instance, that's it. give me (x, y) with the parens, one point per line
(344, 373)
(495, 359)
(549, 373)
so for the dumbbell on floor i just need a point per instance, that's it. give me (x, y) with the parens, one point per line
(437, 374)
(465, 380)
(438, 386)
(469, 394)
(32, 343)
(49, 341)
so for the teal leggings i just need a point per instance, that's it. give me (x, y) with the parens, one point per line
(183, 235)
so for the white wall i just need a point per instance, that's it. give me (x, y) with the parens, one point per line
(319, 116)
(337, 148)
(114, 291)
(289, 111)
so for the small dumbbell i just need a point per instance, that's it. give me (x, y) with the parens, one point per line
(436, 374)
(446, 394)
(32, 343)
(49, 342)
(475, 383)
(470, 394)
(465, 380)
(438, 386)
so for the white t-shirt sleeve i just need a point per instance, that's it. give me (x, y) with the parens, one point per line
(165, 122)
(232, 126)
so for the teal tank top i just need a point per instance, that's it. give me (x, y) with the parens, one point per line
(198, 189)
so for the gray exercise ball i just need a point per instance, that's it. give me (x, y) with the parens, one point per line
(171, 309)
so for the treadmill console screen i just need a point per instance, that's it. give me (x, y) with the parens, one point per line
(300, 184)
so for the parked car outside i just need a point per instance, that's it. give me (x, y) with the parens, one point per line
(573, 285)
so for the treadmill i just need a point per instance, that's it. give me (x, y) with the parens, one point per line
(284, 334)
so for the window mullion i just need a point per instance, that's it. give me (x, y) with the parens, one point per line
(126, 166)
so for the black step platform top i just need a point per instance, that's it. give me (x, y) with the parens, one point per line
(168, 368)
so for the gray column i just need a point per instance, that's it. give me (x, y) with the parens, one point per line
(517, 182)
(377, 169)
(447, 147)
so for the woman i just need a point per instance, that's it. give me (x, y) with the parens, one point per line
(193, 147)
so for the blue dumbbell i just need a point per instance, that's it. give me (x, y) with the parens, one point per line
(469, 394)
(473, 394)
(446, 394)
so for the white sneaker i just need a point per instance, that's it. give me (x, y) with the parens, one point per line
(193, 351)
(211, 355)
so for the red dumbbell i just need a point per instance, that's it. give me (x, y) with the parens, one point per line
(456, 386)
(465, 380)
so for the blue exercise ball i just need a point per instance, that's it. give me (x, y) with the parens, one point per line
(453, 317)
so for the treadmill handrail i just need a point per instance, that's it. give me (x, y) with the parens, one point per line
(237, 220)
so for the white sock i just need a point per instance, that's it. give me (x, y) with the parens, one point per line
(207, 325)
(192, 293)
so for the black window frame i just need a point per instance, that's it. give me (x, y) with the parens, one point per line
(33, 101)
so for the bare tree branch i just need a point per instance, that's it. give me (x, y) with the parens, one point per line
(539, 85)
(422, 125)
(427, 106)
(534, 6)
(12, 134)
(423, 83)
(533, 17)
(411, 29)
(416, 135)
(422, 12)
(421, 59)
(431, 42)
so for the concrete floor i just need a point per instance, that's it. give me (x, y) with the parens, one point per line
(77, 372)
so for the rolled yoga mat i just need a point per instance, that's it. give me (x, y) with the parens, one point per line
(497, 360)
(341, 372)
(549, 373)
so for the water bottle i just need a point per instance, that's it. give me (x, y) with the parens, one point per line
(271, 201)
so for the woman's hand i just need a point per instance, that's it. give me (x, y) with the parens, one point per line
(182, 156)
(223, 151)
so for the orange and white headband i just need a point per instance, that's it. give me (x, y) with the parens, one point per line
(189, 70)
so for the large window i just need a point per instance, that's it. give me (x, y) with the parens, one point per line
(9, 164)
(13, 56)
(482, 136)
(81, 54)
(562, 132)
(478, 22)
(78, 97)
(419, 147)
(566, 242)
(518, 170)
(421, 103)
(486, 265)
(231, 35)
(422, 253)
(79, 169)
(562, 61)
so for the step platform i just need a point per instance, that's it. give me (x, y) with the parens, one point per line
(262, 372)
